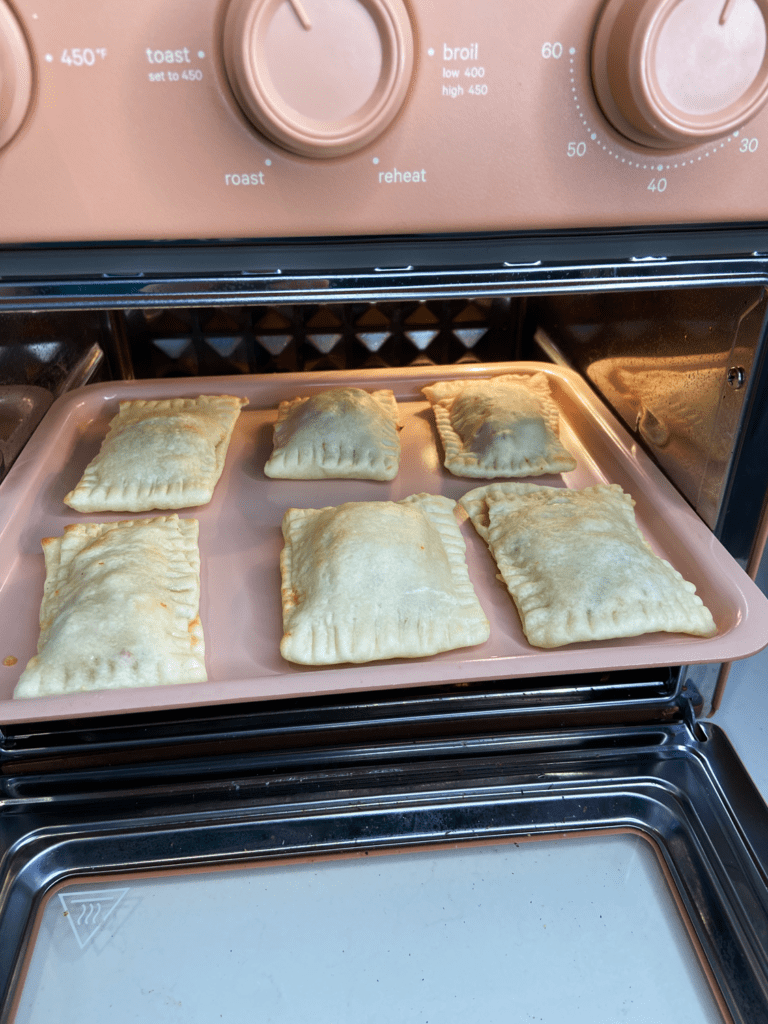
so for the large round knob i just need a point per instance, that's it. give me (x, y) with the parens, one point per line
(319, 77)
(15, 75)
(675, 73)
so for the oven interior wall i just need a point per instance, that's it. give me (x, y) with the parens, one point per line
(681, 368)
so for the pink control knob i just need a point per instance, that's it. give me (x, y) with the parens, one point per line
(675, 73)
(15, 75)
(320, 78)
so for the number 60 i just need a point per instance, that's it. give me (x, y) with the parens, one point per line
(552, 50)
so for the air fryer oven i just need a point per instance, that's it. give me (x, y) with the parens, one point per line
(521, 194)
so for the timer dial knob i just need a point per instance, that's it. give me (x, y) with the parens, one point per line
(676, 73)
(15, 75)
(320, 78)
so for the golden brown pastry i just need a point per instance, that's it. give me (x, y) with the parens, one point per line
(342, 433)
(167, 453)
(505, 426)
(377, 579)
(120, 608)
(577, 566)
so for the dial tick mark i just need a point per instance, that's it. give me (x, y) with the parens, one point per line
(303, 17)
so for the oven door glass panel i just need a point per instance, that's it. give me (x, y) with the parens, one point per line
(580, 929)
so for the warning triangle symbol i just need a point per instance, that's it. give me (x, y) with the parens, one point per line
(87, 911)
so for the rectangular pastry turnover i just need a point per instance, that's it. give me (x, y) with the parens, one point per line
(343, 433)
(120, 608)
(578, 567)
(505, 426)
(162, 454)
(371, 580)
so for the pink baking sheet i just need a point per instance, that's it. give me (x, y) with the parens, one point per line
(240, 543)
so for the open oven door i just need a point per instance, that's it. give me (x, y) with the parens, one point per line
(323, 866)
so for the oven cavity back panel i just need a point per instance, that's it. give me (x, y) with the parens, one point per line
(241, 540)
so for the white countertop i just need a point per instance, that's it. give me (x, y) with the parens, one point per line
(499, 934)
(743, 713)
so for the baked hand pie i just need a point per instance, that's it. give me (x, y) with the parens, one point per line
(343, 433)
(505, 426)
(165, 453)
(578, 567)
(120, 608)
(376, 579)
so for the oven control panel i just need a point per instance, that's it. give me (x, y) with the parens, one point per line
(167, 119)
